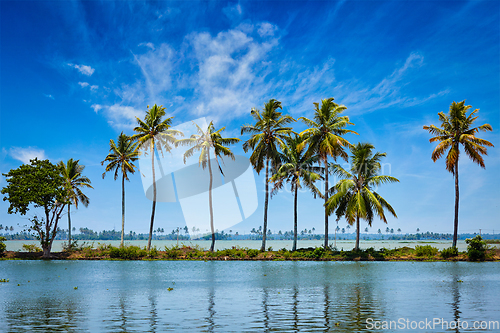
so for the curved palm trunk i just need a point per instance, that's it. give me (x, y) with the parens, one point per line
(69, 227)
(123, 209)
(294, 247)
(455, 231)
(266, 203)
(326, 199)
(357, 234)
(210, 204)
(154, 200)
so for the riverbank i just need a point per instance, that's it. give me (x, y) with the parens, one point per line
(109, 252)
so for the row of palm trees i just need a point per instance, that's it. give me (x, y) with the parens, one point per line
(300, 159)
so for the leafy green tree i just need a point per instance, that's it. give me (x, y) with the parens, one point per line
(72, 174)
(353, 196)
(456, 130)
(296, 166)
(121, 158)
(37, 185)
(153, 134)
(205, 142)
(268, 134)
(324, 137)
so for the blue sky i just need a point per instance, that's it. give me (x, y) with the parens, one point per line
(75, 74)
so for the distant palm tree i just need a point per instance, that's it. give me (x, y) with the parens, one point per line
(456, 129)
(72, 174)
(294, 168)
(206, 141)
(399, 230)
(354, 197)
(121, 158)
(324, 137)
(418, 229)
(268, 134)
(154, 133)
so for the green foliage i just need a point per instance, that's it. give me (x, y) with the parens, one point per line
(4, 280)
(476, 248)
(449, 252)
(2, 245)
(172, 253)
(425, 251)
(318, 252)
(252, 253)
(31, 248)
(127, 252)
(37, 185)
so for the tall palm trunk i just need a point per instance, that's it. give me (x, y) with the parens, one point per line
(326, 199)
(210, 203)
(123, 209)
(154, 200)
(357, 234)
(266, 203)
(455, 231)
(69, 227)
(294, 247)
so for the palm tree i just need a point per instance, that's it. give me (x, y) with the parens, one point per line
(154, 133)
(354, 197)
(72, 174)
(205, 141)
(121, 157)
(296, 166)
(324, 138)
(456, 129)
(268, 133)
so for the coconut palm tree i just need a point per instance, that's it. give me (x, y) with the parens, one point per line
(121, 158)
(456, 129)
(324, 137)
(268, 134)
(205, 142)
(353, 196)
(296, 166)
(72, 174)
(154, 133)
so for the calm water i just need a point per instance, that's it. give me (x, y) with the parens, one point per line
(128, 296)
(255, 244)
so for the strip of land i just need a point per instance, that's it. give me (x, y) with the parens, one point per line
(108, 252)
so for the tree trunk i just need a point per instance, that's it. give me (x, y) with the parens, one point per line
(46, 251)
(210, 203)
(69, 227)
(326, 199)
(154, 200)
(455, 231)
(357, 234)
(123, 209)
(294, 247)
(266, 203)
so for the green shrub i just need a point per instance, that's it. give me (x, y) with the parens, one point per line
(449, 252)
(2, 245)
(425, 251)
(31, 248)
(318, 252)
(476, 249)
(153, 252)
(127, 252)
(252, 253)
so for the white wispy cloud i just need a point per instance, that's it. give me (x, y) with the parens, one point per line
(83, 84)
(96, 107)
(84, 69)
(49, 96)
(27, 153)
(234, 70)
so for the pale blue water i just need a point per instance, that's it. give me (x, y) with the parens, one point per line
(234, 296)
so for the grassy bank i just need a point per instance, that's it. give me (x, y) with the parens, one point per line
(108, 252)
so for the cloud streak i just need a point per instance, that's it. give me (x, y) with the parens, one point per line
(27, 153)
(85, 70)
